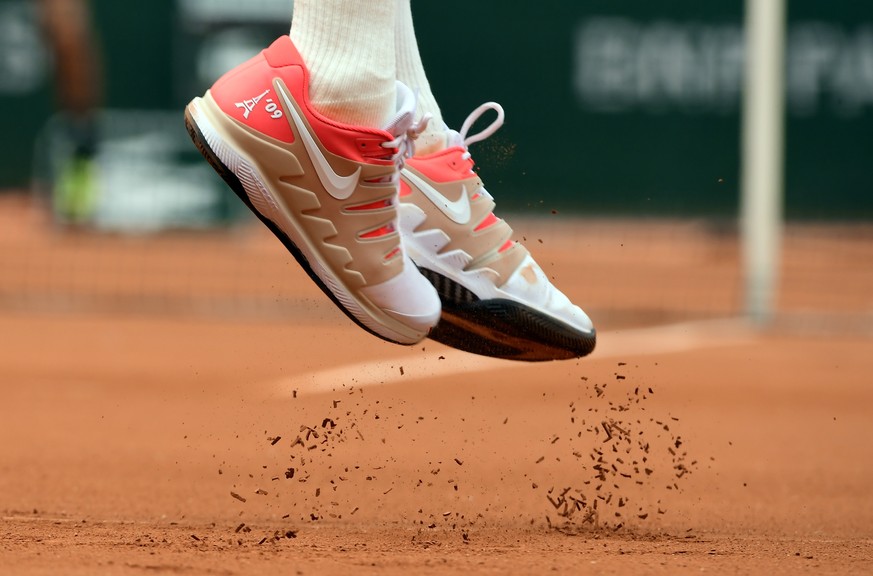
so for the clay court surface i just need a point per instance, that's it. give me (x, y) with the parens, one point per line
(188, 404)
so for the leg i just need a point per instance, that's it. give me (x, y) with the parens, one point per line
(68, 31)
(348, 47)
(67, 26)
(410, 71)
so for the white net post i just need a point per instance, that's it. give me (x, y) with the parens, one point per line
(763, 129)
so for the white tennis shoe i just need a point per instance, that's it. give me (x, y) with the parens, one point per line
(496, 300)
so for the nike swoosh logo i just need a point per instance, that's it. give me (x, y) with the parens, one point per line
(457, 211)
(340, 187)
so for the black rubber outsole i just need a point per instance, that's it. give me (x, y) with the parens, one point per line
(503, 328)
(234, 183)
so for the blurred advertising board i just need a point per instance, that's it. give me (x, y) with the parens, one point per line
(613, 107)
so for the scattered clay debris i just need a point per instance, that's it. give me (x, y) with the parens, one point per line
(619, 454)
(614, 469)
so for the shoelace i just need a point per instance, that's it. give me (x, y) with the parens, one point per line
(461, 138)
(474, 117)
(405, 142)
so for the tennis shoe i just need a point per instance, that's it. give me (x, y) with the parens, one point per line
(496, 300)
(327, 190)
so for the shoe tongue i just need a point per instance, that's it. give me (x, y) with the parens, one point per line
(427, 141)
(453, 138)
(404, 114)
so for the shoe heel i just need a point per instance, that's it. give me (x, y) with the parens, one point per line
(203, 147)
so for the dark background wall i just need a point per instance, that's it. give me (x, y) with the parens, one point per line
(613, 106)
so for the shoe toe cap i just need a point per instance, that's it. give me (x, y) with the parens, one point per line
(409, 299)
(530, 286)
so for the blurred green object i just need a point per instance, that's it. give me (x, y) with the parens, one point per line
(129, 171)
(76, 190)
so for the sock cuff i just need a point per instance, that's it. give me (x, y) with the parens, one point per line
(348, 48)
(410, 71)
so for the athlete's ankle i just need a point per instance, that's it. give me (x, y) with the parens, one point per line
(348, 48)
(430, 142)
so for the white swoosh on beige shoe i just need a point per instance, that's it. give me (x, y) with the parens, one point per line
(457, 211)
(340, 187)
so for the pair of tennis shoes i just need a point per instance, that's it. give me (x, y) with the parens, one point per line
(406, 246)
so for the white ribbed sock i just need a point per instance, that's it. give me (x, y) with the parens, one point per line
(348, 46)
(410, 71)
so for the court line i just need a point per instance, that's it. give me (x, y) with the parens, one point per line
(621, 344)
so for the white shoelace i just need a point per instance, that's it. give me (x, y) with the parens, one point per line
(474, 117)
(461, 138)
(405, 142)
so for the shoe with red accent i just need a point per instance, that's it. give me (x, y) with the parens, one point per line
(496, 300)
(327, 190)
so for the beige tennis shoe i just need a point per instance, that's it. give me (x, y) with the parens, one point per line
(327, 190)
(496, 300)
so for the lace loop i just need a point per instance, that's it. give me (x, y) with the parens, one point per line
(405, 142)
(474, 117)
